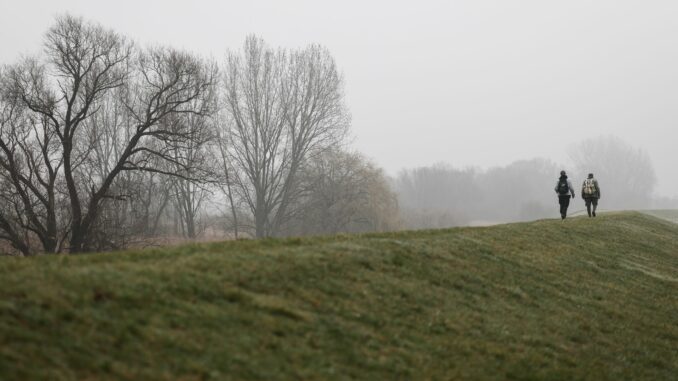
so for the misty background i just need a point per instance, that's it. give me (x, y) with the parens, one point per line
(470, 83)
(456, 112)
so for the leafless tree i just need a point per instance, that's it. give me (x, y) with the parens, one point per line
(30, 162)
(626, 172)
(226, 176)
(193, 162)
(50, 145)
(282, 106)
(344, 193)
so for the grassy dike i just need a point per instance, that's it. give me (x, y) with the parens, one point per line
(583, 299)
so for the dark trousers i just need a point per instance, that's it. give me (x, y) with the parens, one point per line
(564, 202)
(591, 201)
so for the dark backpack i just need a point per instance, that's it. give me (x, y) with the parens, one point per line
(563, 188)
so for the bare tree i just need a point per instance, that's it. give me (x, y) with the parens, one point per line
(193, 163)
(282, 107)
(626, 172)
(49, 154)
(12, 225)
(226, 176)
(344, 193)
(30, 161)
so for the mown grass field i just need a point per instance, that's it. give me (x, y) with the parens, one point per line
(583, 299)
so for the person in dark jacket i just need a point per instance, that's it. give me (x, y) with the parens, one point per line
(565, 192)
(590, 192)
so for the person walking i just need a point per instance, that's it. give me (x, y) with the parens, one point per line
(565, 192)
(590, 192)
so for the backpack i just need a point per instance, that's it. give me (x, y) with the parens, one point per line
(589, 187)
(563, 188)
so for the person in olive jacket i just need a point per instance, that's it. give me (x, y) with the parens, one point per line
(590, 192)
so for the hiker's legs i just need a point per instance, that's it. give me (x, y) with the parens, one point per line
(564, 202)
(588, 205)
(595, 205)
(567, 204)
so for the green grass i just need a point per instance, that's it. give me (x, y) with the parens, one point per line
(583, 299)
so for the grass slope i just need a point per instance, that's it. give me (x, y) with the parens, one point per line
(583, 299)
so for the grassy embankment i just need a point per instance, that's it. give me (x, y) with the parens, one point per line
(593, 299)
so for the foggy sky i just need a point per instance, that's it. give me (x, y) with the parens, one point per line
(472, 83)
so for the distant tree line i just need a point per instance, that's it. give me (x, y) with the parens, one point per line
(442, 196)
(105, 144)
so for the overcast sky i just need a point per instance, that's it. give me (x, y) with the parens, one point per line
(471, 83)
